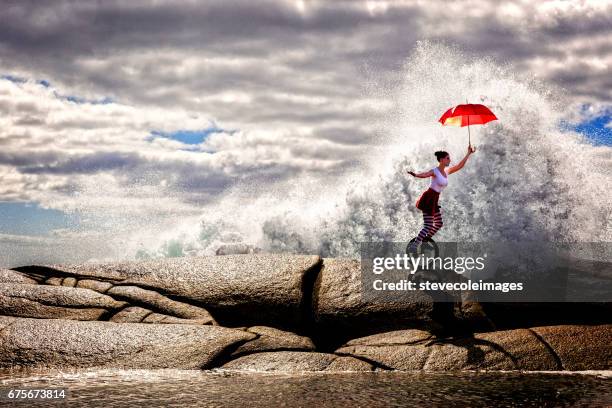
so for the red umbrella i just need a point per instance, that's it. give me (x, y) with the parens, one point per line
(466, 115)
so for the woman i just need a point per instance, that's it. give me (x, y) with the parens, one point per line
(428, 201)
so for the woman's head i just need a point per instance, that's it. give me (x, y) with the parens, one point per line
(443, 157)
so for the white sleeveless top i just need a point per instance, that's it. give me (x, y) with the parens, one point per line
(438, 181)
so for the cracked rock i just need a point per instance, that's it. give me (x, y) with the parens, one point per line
(580, 347)
(339, 307)
(270, 339)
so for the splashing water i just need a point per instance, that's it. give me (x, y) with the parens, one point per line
(527, 180)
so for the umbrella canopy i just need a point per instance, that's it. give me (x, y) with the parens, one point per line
(466, 115)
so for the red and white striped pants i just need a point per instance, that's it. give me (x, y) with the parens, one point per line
(431, 225)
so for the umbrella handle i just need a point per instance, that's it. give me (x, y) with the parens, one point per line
(469, 136)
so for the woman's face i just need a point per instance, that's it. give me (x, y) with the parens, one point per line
(446, 161)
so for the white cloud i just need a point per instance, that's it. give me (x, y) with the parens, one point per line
(54, 147)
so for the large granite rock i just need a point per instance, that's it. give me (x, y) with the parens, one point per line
(294, 310)
(341, 311)
(297, 361)
(248, 290)
(58, 343)
(540, 348)
(44, 301)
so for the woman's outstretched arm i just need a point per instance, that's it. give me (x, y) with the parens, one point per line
(425, 174)
(460, 165)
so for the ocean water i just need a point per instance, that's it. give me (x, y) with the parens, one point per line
(176, 388)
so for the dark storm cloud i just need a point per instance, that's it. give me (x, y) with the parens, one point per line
(344, 135)
(85, 164)
(565, 28)
(338, 39)
(51, 26)
(52, 35)
(585, 81)
(29, 158)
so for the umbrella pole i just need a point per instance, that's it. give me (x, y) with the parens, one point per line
(469, 137)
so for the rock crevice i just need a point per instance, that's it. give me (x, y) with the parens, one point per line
(552, 351)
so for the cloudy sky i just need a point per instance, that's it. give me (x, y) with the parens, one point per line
(119, 106)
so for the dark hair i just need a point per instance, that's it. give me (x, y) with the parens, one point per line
(440, 154)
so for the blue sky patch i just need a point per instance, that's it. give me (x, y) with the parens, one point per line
(594, 129)
(70, 98)
(15, 79)
(20, 80)
(192, 137)
(79, 100)
(27, 218)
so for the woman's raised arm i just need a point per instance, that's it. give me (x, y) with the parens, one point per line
(460, 165)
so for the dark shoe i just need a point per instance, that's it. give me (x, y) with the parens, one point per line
(412, 250)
